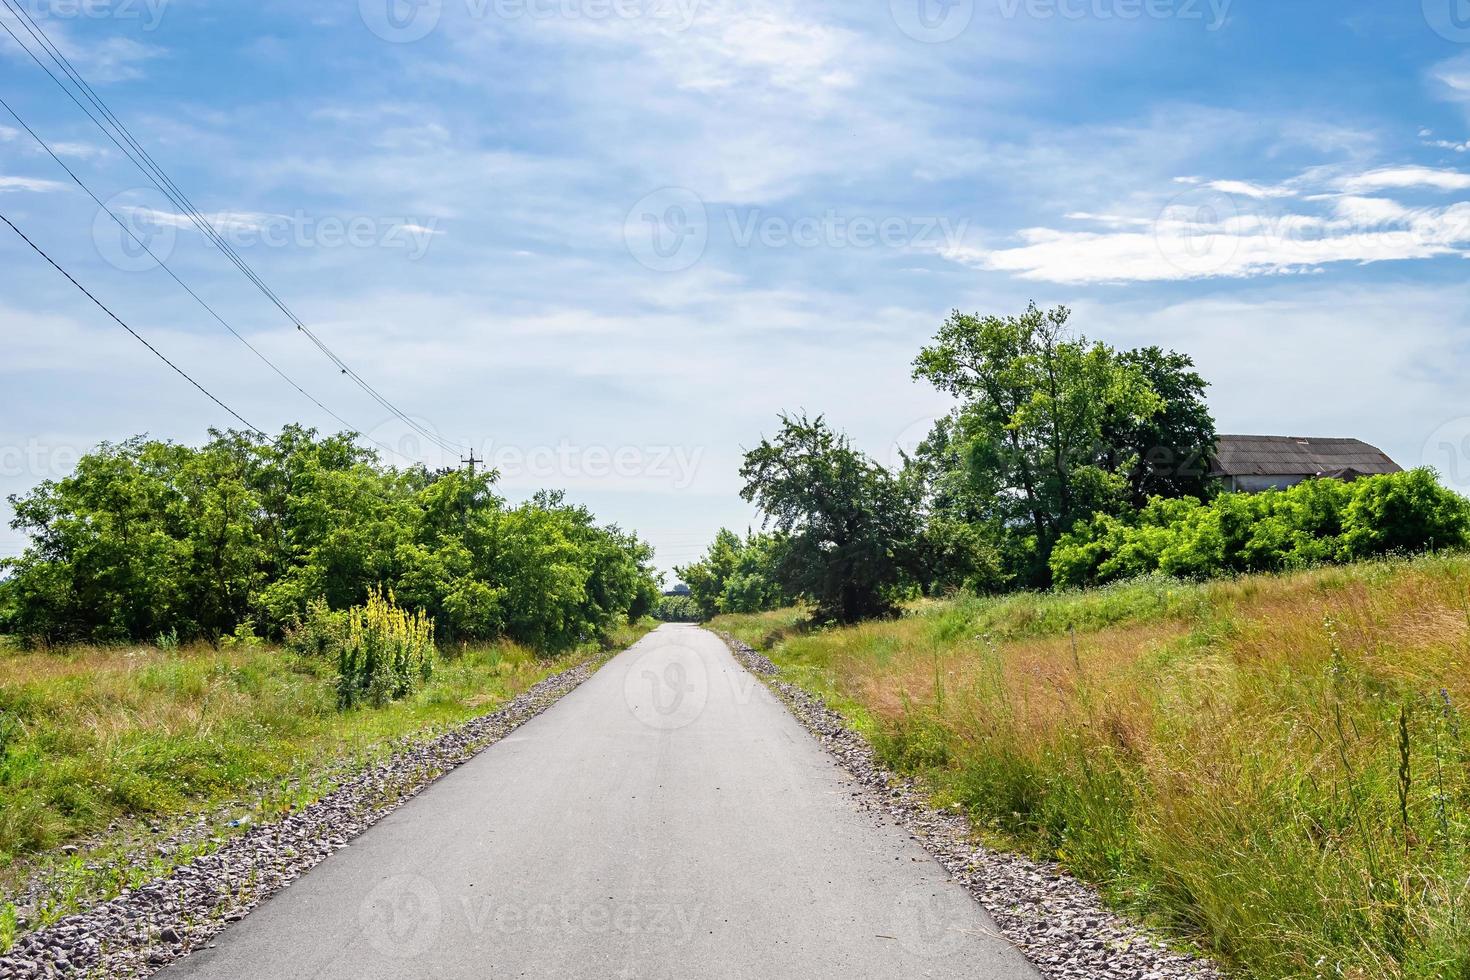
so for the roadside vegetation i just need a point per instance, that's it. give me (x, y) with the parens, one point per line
(677, 609)
(151, 540)
(1250, 726)
(1275, 767)
(1065, 462)
(222, 632)
(100, 745)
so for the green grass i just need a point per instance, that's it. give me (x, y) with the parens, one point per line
(1275, 768)
(108, 748)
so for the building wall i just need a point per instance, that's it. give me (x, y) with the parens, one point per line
(1255, 484)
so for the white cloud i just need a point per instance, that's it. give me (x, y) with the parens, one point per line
(80, 151)
(225, 222)
(31, 184)
(1110, 220)
(1389, 178)
(1369, 211)
(1452, 78)
(1234, 229)
(113, 59)
(1428, 138)
(1247, 189)
(1180, 247)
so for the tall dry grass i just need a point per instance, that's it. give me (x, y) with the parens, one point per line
(1277, 768)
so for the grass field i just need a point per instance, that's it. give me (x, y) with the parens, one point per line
(1276, 768)
(108, 747)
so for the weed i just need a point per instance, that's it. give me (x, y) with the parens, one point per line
(1273, 767)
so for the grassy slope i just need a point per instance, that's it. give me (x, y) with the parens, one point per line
(99, 745)
(1227, 758)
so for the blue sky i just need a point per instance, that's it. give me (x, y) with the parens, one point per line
(605, 242)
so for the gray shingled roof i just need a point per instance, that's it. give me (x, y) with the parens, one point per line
(1298, 456)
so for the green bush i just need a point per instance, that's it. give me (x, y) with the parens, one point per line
(148, 538)
(677, 609)
(1313, 523)
(385, 654)
(319, 632)
(738, 576)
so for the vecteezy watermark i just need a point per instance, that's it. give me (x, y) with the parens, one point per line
(1213, 14)
(304, 230)
(937, 21)
(1448, 450)
(129, 233)
(36, 460)
(1450, 19)
(1194, 231)
(669, 230)
(907, 443)
(406, 21)
(932, 21)
(669, 922)
(149, 12)
(676, 465)
(932, 921)
(401, 917)
(666, 686)
(406, 441)
(137, 229)
(833, 229)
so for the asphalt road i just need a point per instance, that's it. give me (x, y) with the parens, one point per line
(667, 820)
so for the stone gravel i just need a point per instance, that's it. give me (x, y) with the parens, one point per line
(1058, 922)
(141, 931)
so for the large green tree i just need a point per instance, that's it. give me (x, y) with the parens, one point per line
(851, 527)
(148, 537)
(1165, 453)
(1051, 429)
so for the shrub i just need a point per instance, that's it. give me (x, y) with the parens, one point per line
(677, 609)
(737, 575)
(319, 632)
(1316, 522)
(1405, 512)
(386, 653)
(147, 538)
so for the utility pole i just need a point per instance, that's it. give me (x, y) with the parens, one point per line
(470, 462)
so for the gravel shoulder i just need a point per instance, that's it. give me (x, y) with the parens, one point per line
(143, 930)
(1059, 923)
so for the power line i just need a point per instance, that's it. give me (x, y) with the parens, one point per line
(155, 174)
(136, 336)
(166, 268)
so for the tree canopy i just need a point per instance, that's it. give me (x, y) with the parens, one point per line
(1052, 428)
(149, 537)
(850, 526)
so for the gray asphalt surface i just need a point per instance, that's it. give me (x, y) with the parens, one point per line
(668, 819)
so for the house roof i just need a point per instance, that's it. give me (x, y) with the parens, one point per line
(1298, 456)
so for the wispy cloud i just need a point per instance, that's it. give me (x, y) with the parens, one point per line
(1452, 78)
(1427, 138)
(1233, 229)
(1396, 178)
(80, 151)
(109, 60)
(31, 184)
(1246, 189)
